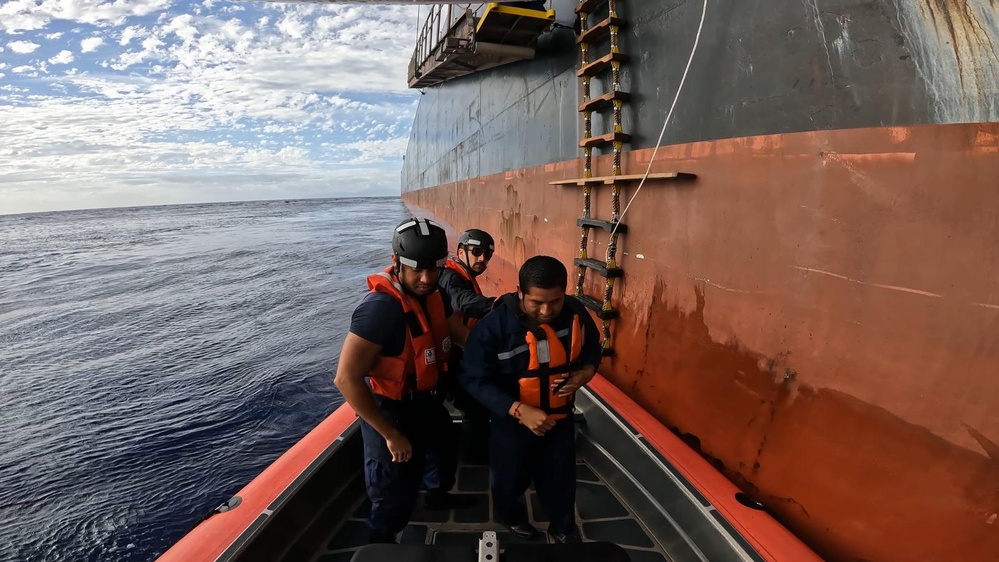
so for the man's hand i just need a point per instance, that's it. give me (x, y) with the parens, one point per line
(399, 446)
(535, 419)
(577, 379)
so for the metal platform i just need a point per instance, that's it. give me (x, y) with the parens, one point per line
(456, 42)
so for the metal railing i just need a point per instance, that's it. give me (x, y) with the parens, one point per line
(436, 27)
(451, 29)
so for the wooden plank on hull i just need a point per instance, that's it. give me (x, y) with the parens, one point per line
(609, 180)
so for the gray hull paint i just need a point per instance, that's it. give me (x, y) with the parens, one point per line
(763, 67)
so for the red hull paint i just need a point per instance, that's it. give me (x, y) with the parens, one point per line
(818, 313)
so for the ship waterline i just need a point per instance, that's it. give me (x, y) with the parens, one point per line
(817, 313)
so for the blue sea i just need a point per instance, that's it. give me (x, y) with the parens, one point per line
(154, 360)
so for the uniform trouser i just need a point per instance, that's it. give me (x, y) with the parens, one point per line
(518, 457)
(394, 486)
(441, 460)
(439, 470)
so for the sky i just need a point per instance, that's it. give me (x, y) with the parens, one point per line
(107, 103)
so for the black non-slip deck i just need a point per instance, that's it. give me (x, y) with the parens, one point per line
(600, 514)
(628, 494)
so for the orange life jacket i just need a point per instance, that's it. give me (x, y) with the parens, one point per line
(548, 369)
(424, 356)
(463, 271)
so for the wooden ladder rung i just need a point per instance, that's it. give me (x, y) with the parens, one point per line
(591, 142)
(598, 307)
(600, 29)
(601, 64)
(607, 99)
(587, 5)
(600, 267)
(608, 180)
(608, 226)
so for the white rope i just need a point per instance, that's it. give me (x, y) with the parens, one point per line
(659, 142)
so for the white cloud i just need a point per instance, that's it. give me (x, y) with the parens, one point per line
(27, 15)
(90, 44)
(23, 47)
(64, 57)
(129, 33)
(297, 101)
(292, 26)
(376, 150)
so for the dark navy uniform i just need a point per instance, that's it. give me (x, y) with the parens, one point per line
(465, 297)
(462, 296)
(496, 357)
(394, 486)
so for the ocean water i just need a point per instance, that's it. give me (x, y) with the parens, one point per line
(154, 360)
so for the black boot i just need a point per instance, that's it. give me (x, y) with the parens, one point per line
(523, 530)
(565, 538)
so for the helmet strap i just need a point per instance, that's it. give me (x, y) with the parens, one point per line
(464, 261)
(398, 275)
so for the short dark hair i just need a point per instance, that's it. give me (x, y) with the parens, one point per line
(543, 272)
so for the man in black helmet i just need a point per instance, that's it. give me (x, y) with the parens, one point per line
(458, 282)
(400, 338)
(458, 279)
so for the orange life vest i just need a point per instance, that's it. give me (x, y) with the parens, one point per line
(549, 367)
(463, 271)
(424, 356)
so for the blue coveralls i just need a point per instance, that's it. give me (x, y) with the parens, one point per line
(495, 356)
(393, 487)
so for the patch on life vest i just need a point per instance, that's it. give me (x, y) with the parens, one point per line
(544, 353)
(429, 356)
(446, 345)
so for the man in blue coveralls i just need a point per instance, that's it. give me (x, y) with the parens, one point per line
(399, 340)
(524, 362)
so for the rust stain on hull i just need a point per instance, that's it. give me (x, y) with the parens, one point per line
(817, 314)
(833, 468)
(954, 46)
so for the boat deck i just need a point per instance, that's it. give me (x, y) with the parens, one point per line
(641, 496)
(600, 512)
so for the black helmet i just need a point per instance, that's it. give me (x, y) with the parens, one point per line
(420, 243)
(476, 237)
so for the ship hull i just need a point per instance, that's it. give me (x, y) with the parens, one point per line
(817, 313)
